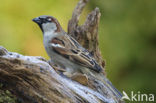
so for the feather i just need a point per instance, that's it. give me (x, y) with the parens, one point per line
(72, 50)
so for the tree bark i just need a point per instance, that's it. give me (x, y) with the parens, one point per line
(32, 80)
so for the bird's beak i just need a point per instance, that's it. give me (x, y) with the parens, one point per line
(37, 20)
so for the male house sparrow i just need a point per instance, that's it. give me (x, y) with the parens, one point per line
(63, 49)
(66, 52)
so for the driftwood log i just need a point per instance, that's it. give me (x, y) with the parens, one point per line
(32, 80)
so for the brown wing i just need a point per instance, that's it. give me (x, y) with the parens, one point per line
(70, 49)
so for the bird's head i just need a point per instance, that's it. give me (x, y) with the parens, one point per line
(48, 23)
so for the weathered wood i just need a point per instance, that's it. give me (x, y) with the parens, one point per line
(33, 80)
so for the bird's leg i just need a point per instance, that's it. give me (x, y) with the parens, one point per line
(78, 77)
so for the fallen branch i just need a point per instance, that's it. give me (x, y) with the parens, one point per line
(33, 80)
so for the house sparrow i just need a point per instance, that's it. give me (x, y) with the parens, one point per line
(68, 54)
(64, 50)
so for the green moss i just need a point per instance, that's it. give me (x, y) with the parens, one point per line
(6, 96)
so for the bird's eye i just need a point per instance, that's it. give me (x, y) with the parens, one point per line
(49, 19)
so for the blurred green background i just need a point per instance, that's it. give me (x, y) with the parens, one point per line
(127, 35)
